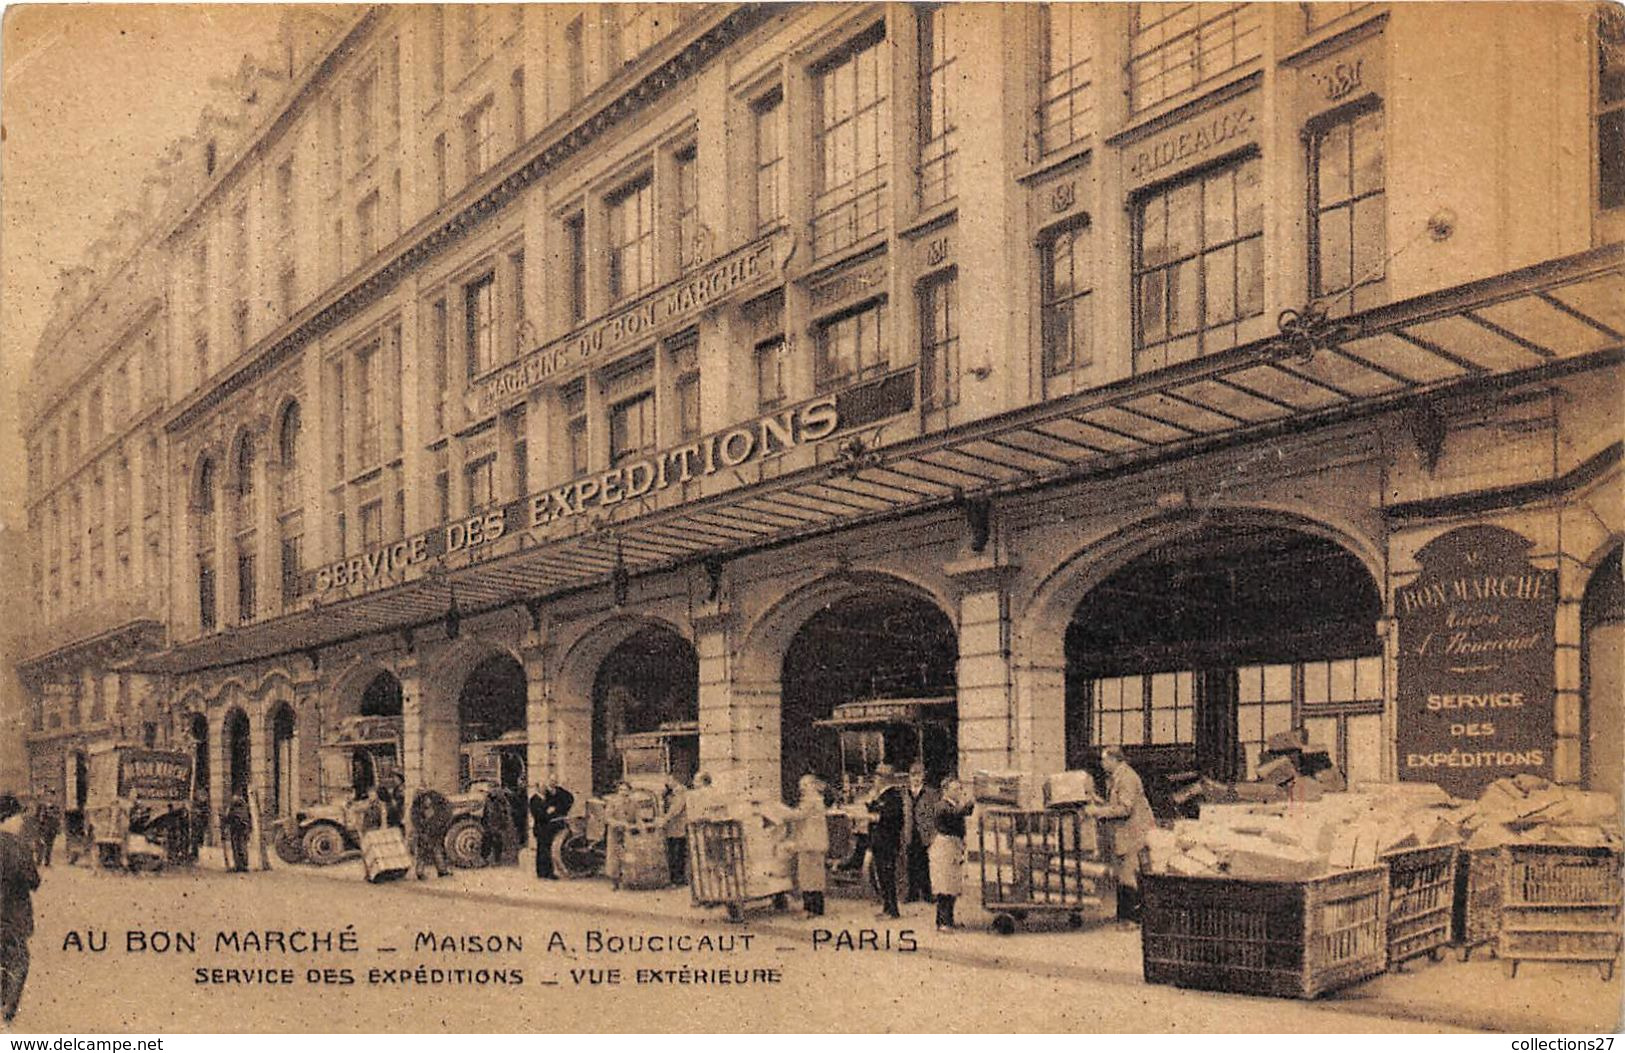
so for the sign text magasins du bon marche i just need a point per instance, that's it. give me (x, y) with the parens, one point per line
(733, 448)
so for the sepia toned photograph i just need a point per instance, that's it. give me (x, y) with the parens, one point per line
(812, 517)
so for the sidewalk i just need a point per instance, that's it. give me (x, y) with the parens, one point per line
(1475, 994)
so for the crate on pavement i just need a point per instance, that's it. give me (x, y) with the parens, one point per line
(721, 872)
(1034, 862)
(1561, 904)
(1480, 884)
(1421, 899)
(1296, 939)
(383, 854)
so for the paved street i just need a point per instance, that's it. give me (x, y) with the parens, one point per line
(960, 982)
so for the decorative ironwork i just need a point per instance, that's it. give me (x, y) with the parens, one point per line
(1305, 332)
(854, 455)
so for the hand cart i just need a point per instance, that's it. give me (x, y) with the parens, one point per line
(1562, 904)
(721, 872)
(1034, 862)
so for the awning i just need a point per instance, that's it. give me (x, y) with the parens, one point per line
(1555, 317)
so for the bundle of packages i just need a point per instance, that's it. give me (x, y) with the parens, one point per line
(1533, 810)
(1007, 789)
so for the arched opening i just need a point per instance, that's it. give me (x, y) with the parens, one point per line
(282, 760)
(238, 753)
(382, 696)
(1194, 653)
(875, 644)
(1602, 661)
(649, 682)
(287, 438)
(491, 730)
(199, 729)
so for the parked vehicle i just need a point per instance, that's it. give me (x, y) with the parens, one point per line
(135, 814)
(652, 762)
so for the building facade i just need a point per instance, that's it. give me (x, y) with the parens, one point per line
(1139, 374)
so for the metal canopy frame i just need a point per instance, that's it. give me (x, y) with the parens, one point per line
(1560, 316)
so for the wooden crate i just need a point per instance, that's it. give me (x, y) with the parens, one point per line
(1561, 904)
(1480, 885)
(1295, 939)
(1421, 899)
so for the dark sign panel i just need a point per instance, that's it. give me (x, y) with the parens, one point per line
(155, 775)
(1476, 651)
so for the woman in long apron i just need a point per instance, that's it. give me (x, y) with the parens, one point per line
(811, 844)
(946, 854)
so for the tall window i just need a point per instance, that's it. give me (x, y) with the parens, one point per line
(93, 415)
(851, 346)
(631, 214)
(575, 62)
(1347, 213)
(689, 249)
(521, 333)
(938, 125)
(1198, 264)
(243, 488)
(204, 504)
(479, 150)
(1065, 312)
(770, 373)
(439, 357)
(479, 318)
(289, 481)
(852, 144)
(1158, 709)
(575, 249)
(632, 428)
(245, 587)
(939, 342)
(287, 267)
(368, 366)
(200, 355)
(1176, 47)
(480, 477)
(516, 91)
(372, 524)
(365, 109)
(340, 415)
(767, 123)
(516, 429)
(685, 361)
(366, 225)
(573, 401)
(440, 157)
(1610, 96)
(1066, 104)
(152, 478)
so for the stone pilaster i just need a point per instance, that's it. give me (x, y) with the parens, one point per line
(994, 733)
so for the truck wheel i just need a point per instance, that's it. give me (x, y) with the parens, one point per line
(575, 857)
(1004, 924)
(289, 846)
(464, 839)
(323, 844)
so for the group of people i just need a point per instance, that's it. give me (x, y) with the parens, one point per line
(922, 827)
(431, 815)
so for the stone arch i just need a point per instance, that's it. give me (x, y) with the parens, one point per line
(440, 716)
(348, 691)
(282, 738)
(237, 751)
(1602, 655)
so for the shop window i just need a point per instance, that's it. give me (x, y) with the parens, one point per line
(1198, 264)
(1065, 320)
(631, 220)
(938, 160)
(851, 347)
(767, 120)
(1348, 244)
(939, 342)
(1174, 48)
(852, 144)
(1066, 104)
(479, 324)
(770, 373)
(690, 250)
(632, 428)
(1610, 107)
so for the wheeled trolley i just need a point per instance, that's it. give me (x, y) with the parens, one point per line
(1421, 900)
(1035, 862)
(1561, 904)
(723, 873)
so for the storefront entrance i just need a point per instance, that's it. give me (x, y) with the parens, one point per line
(237, 753)
(200, 752)
(1194, 653)
(876, 644)
(649, 679)
(1602, 638)
(491, 730)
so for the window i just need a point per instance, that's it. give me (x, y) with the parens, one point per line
(245, 587)
(852, 144)
(521, 332)
(631, 215)
(480, 476)
(478, 148)
(364, 108)
(1319, 15)
(516, 90)
(1157, 709)
(575, 248)
(939, 343)
(439, 365)
(200, 355)
(575, 62)
(239, 325)
(1347, 214)
(1610, 98)
(635, 29)
(366, 225)
(152, 473)
(1263, 708)
(516, 428)
(1198, 264)
(442, 494)
(436, 47)
(767, 121)
(243, 490)
(1176, 47)
(938, 127)
(631, 428)
(200, 276)
(288, 441)
(442, 169)
(205, 595)
(479, 319)
(339, 418)
(372, 525)
(851, 346)
(119, 394)
(209, 158)
(1065, 317)
(287, 284)
(1066, 103)
(573, 400)
(685, 360)
(1338, 702)
(689, 248)
(368, 367)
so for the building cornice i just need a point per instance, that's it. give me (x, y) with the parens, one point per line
(621, 98)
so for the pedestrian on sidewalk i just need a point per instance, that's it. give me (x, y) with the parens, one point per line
(810, 831)
(50, 824)
(886, 837)
(18, 880)
(431, 816)
(1129, 813)
(199, 820)
(237, 824)
(550, 806)
(922, 829)
(948, 850)
(497, 819)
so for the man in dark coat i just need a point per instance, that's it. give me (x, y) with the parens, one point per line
(431, 815)
(922, 829)
(497, 819)
(18, 880)
(886, 837)
(199, 819)
(50, 824)
(236, 824)
(549, 808)
(392, 792)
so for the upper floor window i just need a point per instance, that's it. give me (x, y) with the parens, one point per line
(204, 499)
(1066, 101)
(479, 148)
(1198, 264)
(852, 346)
(1318, 15)
(771, 369)
(243, 492)
(366, 225)
(573, 401)
(632, 428)
(938, 125)
(575, 62)
(1348, 244)
(439, 367)
(631, 215)
(685, 361)
(686, 165)
(369, 391)
(479, 316)
(767, 126)
(575, 260)
(1610, 96)
(1065, 323)
(372, 524)
(634, 29)
(1174, 48)
(479, 477)
(851, 143)
(939, 342)
(287, 443)
(73, 437)
(364, 109)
